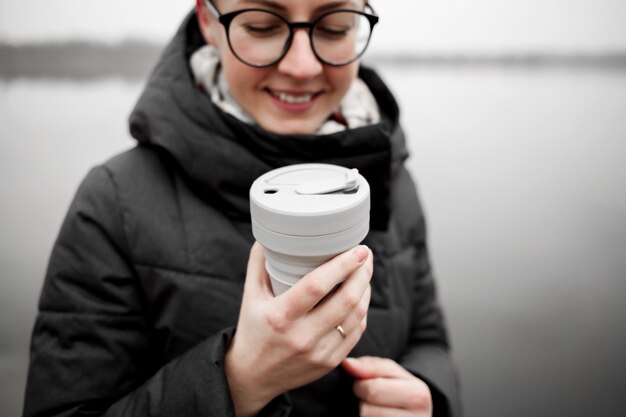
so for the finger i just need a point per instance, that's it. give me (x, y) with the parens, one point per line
(356, 321)
(375, 367)
(257, 280)
(393, 392)
(313, 287)
(339, 346)
(371, 410)
(348, 305)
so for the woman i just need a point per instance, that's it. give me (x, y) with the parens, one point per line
(144, 310)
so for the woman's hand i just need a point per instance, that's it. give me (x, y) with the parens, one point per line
(288, 341)
(387, 389)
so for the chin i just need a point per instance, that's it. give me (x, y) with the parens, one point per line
(292, 127)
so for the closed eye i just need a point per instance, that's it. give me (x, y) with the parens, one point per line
(263, 30)
(333, 32)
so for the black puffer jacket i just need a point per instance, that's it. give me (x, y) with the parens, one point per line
(145, 280)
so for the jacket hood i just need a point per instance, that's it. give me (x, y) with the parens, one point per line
(221, 156)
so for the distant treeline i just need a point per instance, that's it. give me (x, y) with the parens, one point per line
(133, 60)
(78, 60)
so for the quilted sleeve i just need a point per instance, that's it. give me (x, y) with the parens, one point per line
(93, 351)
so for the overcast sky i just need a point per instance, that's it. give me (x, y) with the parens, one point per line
(420, 25)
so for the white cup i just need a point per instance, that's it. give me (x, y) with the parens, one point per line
(305, 214)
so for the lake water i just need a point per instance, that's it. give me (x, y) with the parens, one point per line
(523, 179)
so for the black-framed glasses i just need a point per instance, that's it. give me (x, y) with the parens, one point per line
(260, 38)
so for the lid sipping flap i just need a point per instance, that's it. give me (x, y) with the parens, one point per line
(348, 183)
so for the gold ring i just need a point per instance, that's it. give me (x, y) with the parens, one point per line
(341, 331)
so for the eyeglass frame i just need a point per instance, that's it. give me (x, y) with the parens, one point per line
(227, 18)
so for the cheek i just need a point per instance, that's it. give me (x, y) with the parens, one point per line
(342, 77)
(242, 79)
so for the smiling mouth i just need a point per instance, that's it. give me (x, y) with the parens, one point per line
(292, 98)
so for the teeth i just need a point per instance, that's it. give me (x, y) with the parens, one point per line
(293, 99)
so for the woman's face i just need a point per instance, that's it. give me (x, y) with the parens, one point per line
(297, 94)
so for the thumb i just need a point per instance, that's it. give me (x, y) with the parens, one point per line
(367, 367)
(257, 279)
(353, 367)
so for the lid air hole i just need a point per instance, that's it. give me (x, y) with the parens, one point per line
(270, 191)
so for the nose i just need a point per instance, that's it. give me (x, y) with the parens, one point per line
(300, 61)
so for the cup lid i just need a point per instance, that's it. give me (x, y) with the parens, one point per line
(310, 199)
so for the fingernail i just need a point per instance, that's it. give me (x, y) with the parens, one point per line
(360, 253)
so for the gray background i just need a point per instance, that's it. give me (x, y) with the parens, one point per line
(515, 119)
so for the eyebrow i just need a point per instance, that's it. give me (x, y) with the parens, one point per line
(335, 5)
(280, 7)
(267, 3)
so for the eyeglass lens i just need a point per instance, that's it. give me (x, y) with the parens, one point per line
(260, 38)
